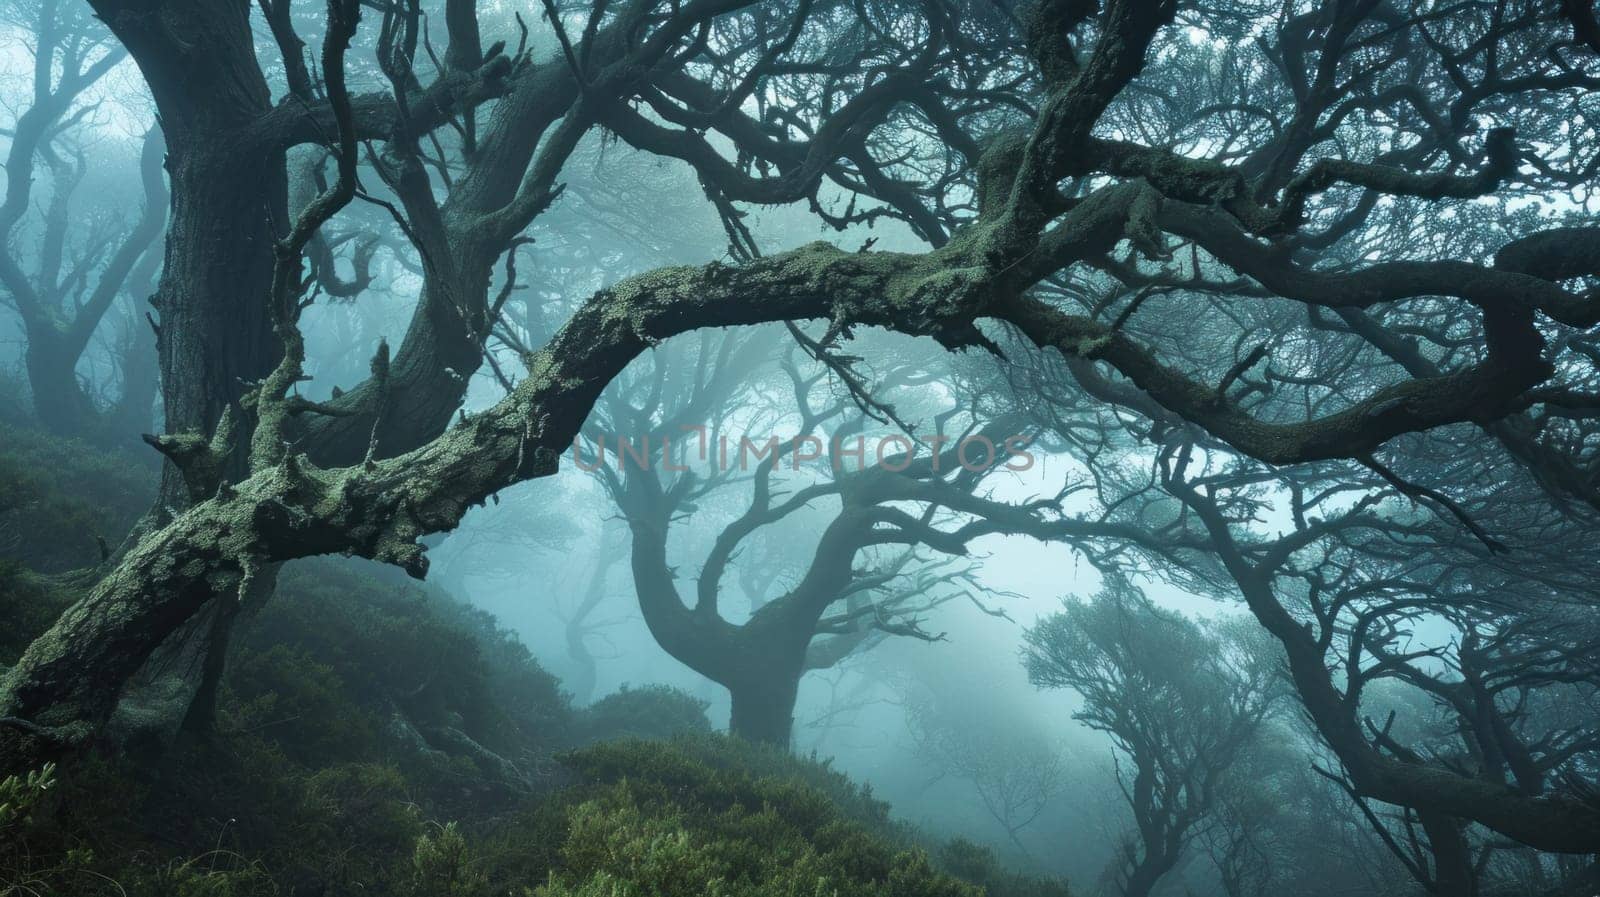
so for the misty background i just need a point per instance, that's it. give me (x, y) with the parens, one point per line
(937, 707)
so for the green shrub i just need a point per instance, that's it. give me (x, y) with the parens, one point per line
(732, 767)
(218, 873)
(29, 603)
(650, 711)
(57, 496)
(398, 648)
(443, 865)
(629, 841)
(302, 705)
(354, 830)
(773, 797)
(20, 796)
(978, 864)
(33, 859)
(697, 815)
(716, 815)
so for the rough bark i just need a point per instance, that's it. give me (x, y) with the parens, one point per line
(229, 203)
(763, 707)
(462, 239)
(226, 157)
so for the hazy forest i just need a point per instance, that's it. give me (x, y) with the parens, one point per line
(800, 448)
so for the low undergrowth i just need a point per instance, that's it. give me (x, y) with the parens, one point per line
(376, 736)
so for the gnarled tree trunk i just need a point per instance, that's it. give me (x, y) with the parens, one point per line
(229, 192)
(764, 692)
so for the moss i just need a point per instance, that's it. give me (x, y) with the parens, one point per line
(997, 169)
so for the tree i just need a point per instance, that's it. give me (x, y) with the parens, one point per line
(1344, 593)
(1025, 150)
(577, 617)
(1181, 703)
(1017, 774)
(64, 287)
(1281, 827)
(889, 504)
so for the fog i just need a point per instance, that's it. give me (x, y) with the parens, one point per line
(1151, 441)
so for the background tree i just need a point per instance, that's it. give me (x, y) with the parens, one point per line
(69, 256)
(829, 607)
(1180, 702)
(1018, 775)
(1351, 597)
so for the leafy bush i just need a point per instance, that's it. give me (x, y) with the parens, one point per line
(720, 775)
(977, 864)
(713, 762)
(362, 815)
(26, 864)
(445, 866)
(678, 826)
(300, 704)
(650, 711)
(407, 650)
(58, 496)
(218, 873)
(29, 603)
(20, 796)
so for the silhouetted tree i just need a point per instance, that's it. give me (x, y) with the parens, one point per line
(832, 607)
(1180, 701)
(1017, 774)
(67, 260)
